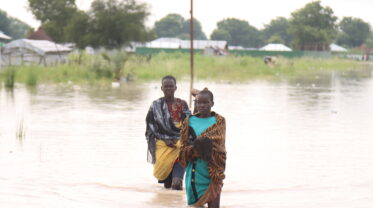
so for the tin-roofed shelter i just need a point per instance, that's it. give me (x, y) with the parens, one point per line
(3, 36)
(185, 44)
(3, 39)
(275, 47)
(40, 34)
(336, 48)
(25, 51)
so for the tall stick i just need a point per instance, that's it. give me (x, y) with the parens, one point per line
(191, 53)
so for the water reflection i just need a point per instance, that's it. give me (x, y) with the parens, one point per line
(290, 144)
(167, 198)
(130, 92)
(320, 89)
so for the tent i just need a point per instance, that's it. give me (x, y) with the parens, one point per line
(185, 44)
(337, 48)
(25, 51)
(275, 47)
(4, 37)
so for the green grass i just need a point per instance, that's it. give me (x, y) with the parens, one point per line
(233, 68)
(105, 68)
(9, 76)
(21, 131)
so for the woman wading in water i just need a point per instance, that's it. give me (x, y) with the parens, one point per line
(203, 153)
(163, 123)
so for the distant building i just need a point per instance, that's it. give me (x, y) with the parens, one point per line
(25, 51)
(40, 34)
(174, 43)
(275, 47)
(336, 48)
(3, 39)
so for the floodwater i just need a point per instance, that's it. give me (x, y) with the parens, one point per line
(305, 142)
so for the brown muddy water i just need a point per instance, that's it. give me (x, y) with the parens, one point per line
(305, 142)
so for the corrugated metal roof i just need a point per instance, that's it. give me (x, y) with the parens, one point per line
(4, 37)
(39, 46)
(178, 43)
(40, 34)
(202, 44)
(275, 47)
(337, 48)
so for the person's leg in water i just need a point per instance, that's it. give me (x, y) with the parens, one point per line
(167, 182)
(215, 203)
(177, 177)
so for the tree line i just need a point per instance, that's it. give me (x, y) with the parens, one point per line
(115, 23)
(12, 26)
(312, 27)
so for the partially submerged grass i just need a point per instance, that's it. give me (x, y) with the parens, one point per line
(233, 68)
(9, 75)
(21, 131)
(105, 68)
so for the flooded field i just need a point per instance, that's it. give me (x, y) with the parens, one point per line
(305, 142)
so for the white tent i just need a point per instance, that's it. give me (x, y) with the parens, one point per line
(164, 43)
(25, 51)
(4, 37)
(275, 47)
(185, 44)
(337, 48)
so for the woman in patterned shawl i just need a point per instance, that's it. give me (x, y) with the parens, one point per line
(203, 153)
(163, 123)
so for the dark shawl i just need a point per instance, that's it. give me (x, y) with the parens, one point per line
(159, 125)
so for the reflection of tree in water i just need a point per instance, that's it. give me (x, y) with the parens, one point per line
(130, 92)
(318, 89)
(353, 77)
(311, 89)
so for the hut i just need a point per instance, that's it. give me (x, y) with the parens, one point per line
(3, 39)
(275, 47)
(42, 52)
(336, 48)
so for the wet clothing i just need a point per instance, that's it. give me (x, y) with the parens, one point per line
(165, 159)
(160, 123)
(203, 180)
(163, 123)
(197, 175)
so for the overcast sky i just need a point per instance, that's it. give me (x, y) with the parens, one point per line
(209, 12)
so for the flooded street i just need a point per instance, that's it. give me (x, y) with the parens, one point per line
(305, 142)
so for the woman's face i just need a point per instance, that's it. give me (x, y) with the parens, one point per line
(168, 88)
(204, 104)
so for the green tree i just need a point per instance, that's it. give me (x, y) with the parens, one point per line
(78, 30)
(115, 23)
(276, 39)
(313, 27)
(4, 22)
(175, 26)
(54, 15)
(241, 33)
(353, 32)
(369, 40)
(197, 30)
(277, 31)
(220, 34)
(12, 26)
(169, 26)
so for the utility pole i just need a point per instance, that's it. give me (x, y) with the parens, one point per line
(191, 53)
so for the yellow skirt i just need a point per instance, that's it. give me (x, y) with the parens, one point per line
(165, 158)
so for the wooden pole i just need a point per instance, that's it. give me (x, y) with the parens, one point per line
(191, 53)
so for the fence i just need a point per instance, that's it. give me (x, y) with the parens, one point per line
(254, 53)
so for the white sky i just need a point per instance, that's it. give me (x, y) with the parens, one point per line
(209, 12)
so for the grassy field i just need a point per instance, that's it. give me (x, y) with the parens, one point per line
(105, 68)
